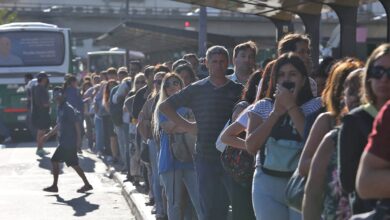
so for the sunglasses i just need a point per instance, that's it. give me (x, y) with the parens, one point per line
(171, 83)
(140, 82)
(377, 72)
(158, 81)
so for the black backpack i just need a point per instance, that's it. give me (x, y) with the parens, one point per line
(116, 109)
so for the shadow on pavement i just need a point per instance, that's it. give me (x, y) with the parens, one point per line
(80, 205)
(87, 164)
(44, 162)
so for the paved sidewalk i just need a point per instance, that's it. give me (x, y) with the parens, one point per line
(134, 196)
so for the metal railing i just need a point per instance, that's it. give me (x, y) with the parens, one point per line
(112, 10)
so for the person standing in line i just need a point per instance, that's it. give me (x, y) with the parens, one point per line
(117, 98)
(244, 62)
(193, 60)
(275, 129)
(145, 128)
(212, 100)
(133, 156)
(69, 137)
(373, 176)
(357, 125)
(40, 111)
(176, 176)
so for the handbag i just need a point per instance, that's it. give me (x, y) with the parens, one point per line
(282, 155)
(294, 191)
(239, 164)
(182, 145)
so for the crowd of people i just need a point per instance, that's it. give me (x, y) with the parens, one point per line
(203, 143)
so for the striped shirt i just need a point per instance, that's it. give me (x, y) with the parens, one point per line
(212, 107)
(264, 107)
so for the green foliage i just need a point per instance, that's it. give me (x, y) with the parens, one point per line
(7, 16)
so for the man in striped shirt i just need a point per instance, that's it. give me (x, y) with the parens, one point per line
(212, 100)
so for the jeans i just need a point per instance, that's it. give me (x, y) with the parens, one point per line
(157, 189)
(213, 183)
(122, 135)
(148, 176)
(173, 182)
(99, 134)
(134, 154)
(268, 197)
(241, 198)
(89, 128)
(108, 132)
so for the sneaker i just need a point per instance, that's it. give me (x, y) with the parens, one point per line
(99, 154)
(41, 152)
(51, 189)
(85, 188)
(150, 202)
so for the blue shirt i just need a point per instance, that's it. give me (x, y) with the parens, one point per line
(166, 162)
(73, 96)
(67, 116)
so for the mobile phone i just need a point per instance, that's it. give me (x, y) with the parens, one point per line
(288, 85)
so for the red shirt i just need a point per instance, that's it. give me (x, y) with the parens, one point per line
(379, 139)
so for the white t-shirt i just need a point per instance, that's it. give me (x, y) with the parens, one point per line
(243, 118)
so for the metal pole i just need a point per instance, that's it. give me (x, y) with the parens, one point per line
(127, 57)
(127, 9)
(202, 37)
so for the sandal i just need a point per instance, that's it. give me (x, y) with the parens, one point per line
(51, 189)
(84, 188)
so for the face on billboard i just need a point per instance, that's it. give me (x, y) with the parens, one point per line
(31, 48)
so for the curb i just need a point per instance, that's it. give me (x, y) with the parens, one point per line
(133, 197)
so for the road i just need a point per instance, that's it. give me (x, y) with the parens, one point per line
(23, 175)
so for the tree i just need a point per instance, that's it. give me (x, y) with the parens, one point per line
(7, 16)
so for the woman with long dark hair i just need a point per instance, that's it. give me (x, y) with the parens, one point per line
(275, 129)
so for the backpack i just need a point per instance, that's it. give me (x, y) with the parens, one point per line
(182, 145)
(115, 109)
(238, 163)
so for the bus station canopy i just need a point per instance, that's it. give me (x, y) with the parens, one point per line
(275, 9)
(151, 38)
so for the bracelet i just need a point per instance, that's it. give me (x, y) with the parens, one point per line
(291, 108)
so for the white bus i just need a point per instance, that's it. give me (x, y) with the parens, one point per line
(115, 57)
(29, 47)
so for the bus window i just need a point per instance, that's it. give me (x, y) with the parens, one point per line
(31, 48)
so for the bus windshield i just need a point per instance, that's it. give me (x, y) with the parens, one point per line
(31, 48)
